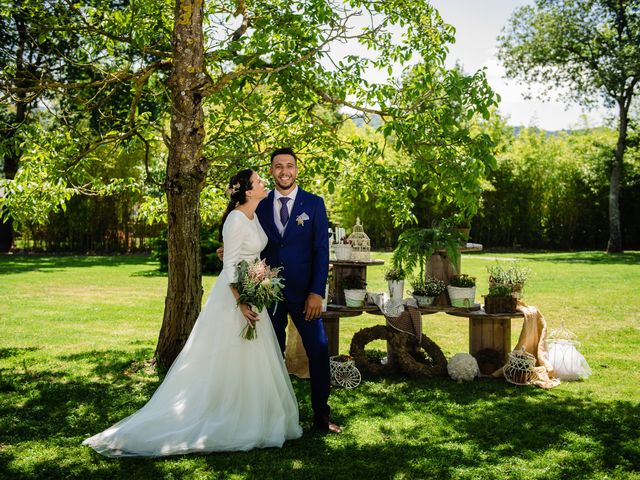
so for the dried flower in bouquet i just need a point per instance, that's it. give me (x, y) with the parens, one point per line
(259, 286)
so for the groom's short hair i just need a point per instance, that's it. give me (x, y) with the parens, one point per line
(284, 151)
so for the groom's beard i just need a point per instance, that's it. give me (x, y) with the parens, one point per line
(285, 186)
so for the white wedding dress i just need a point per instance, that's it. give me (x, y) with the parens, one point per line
(222, 392)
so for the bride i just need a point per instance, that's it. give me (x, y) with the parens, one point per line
(222, 392)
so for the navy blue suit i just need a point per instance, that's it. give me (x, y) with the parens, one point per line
(303, 253)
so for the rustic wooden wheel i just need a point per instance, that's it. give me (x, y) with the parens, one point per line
(413, 362)
(363, 338)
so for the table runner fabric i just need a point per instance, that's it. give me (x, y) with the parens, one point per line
(533, 338)
(409, 321)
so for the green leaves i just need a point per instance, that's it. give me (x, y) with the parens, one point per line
(597, 53)
(282, 80)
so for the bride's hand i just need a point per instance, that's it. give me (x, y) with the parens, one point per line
(249, 314)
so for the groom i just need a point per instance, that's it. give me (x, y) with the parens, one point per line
(296, 224)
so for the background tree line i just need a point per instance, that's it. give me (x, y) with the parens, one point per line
(548, 190)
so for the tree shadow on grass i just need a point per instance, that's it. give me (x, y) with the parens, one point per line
(504, 422)
(11, 264)
(15, 352)
(414, 429)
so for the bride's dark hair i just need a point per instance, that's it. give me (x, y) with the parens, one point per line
(239, 184)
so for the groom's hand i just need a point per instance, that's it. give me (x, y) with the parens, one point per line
(312, 306)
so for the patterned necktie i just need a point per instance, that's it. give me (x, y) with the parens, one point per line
(284, 211)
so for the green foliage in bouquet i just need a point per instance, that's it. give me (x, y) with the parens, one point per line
(259, 286)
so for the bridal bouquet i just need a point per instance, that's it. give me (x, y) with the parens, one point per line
(259, 286)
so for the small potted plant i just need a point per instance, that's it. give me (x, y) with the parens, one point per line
(517, 278)
(513, 277)
(395, 279)
(343, 249)
(462, 290)
(500, 299)
(425, 290)
(355, 291)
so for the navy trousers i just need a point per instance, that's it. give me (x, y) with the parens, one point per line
(316, 345)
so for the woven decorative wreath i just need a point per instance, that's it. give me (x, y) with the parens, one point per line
(410, 358)
(363, 338)
(413, 362)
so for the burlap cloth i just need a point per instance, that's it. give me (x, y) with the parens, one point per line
(409, 321)
(295, 356)
(533, 338)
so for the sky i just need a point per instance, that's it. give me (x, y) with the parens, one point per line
(478, 24)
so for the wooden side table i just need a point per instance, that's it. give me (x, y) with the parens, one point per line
(489, 331)
(337, 308)
(346, 268)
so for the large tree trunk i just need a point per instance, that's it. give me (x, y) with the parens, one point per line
(10, 170)
(615, 230)
(11, 160)
(186, 171)
(13, 156)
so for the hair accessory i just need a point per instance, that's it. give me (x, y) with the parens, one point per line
(233, 189)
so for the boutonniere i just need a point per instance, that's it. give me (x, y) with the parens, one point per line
(301, 218)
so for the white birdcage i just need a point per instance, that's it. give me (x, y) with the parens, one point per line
(567, 361)
(360, 243)
(520, 367)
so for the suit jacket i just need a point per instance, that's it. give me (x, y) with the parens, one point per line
(303, 249)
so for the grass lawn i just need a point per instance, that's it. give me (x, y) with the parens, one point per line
(76, 334)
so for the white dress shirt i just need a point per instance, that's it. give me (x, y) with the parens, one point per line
(277, 205)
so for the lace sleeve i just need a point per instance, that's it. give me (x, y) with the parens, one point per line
(232, 238)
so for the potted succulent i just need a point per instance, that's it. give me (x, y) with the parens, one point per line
(462, 290)
(395, 279)
(343, 249)
(355, 291)
(425, 290)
